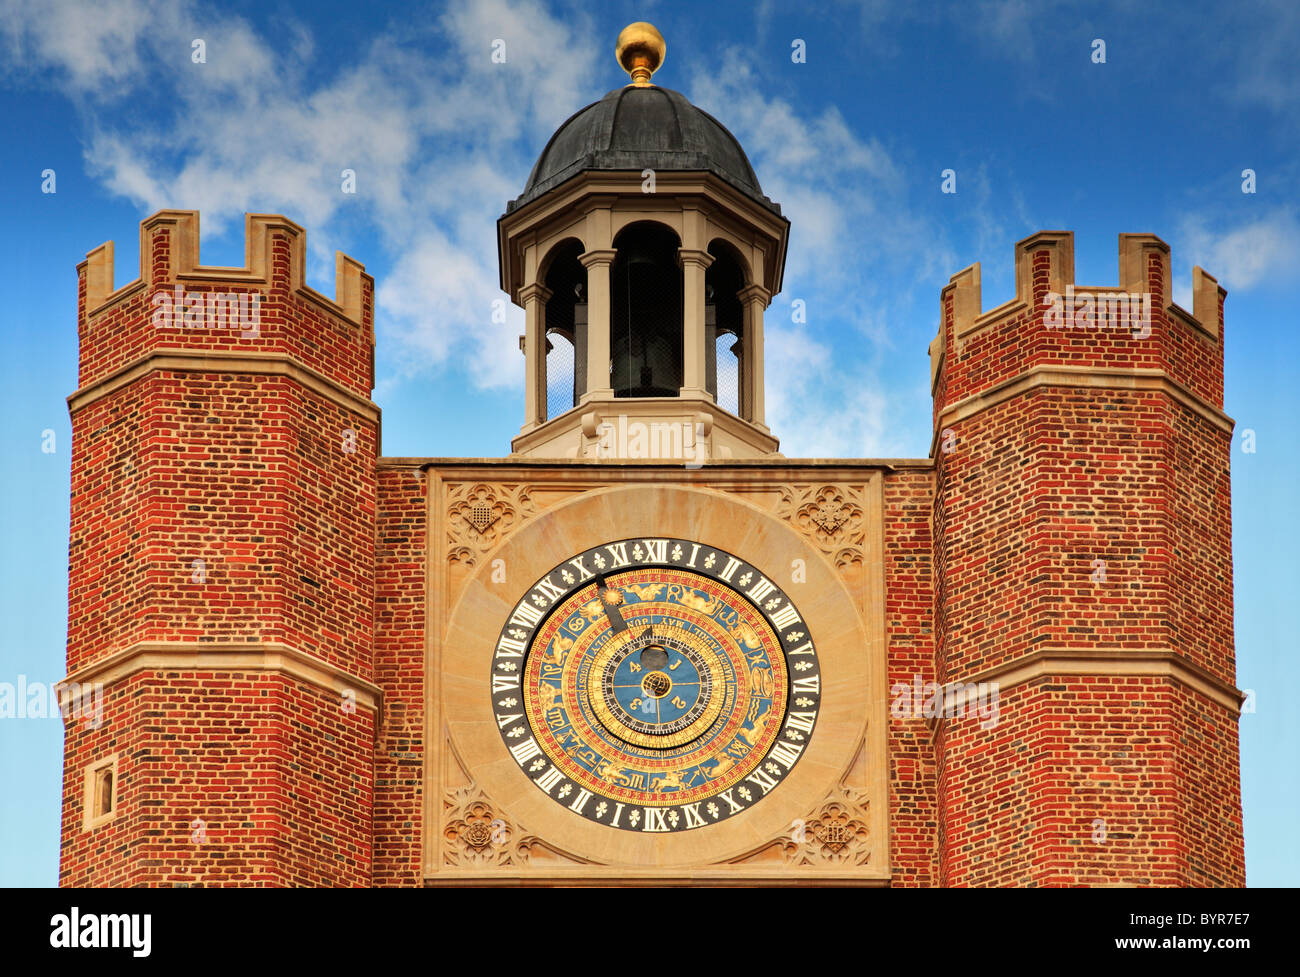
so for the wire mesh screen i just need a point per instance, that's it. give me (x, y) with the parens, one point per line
(566, 327)
(559, 375)
(727, 357)
(725, 320)
(646, 315)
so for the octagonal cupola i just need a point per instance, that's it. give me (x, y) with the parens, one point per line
(644, 253)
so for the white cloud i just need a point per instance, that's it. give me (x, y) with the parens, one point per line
(1258, 252)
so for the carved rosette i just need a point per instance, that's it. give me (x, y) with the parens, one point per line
(480, 516)
(831, 517)
(476, 834)
(835, 834)
(472, 833)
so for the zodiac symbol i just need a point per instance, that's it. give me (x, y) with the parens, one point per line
(549, 697)
(694, 599)
(674, 665)
(743, 633)
(750, 734)
(669, 781)
(760, 678)
(634, 666)
(555, 653)
(728, 618)
(616, 775)
(647, 591)
(724, 763)
(677, 701)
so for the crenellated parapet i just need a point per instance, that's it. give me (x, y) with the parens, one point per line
(1054, 327)
(178, 307)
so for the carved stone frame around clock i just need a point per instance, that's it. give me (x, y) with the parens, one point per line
(484, 823)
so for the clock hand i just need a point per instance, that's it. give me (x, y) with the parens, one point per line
(607, 597)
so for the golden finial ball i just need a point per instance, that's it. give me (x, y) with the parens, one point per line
(640, 50)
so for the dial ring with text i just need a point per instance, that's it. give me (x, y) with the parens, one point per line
(655, 684)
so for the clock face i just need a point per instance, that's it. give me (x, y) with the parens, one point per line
(655, 685)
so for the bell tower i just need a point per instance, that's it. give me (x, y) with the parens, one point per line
(644, 254)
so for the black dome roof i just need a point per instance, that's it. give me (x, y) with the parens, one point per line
(636, 128)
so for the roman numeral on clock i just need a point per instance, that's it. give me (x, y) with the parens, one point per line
(802, 721)
(762, 780)
(729, 571)
(548, 591)
(504, 683)
(583, 573)
(510, 648)
(654, 819)
(526, 615)
(761, 589)
(525, 751)
(785, 616)
(580, 801)
(692, 812)
(656, 550)
(786, 753)
(549, 779)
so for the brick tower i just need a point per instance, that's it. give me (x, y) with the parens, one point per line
(1083, 559)
(221, 573)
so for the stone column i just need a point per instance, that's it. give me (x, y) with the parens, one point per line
(534, 298)
(598, 264)
(755, 299)
(695, 356)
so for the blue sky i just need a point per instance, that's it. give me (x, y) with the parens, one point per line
(851, 143)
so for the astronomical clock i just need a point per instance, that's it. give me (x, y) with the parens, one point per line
(656, 684)
(656, 651)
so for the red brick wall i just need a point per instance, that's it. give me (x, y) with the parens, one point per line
(224, 778)
(909, 610)
(399, 671)
(291, 325)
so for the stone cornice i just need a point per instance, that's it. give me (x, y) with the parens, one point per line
(689, 256)
(1115, 662)
(229, 656)
(1109, 378)
(222, 361)
(603, 256)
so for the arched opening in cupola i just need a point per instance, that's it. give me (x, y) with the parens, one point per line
(724, 327)
(566, 328)
(646, 313)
